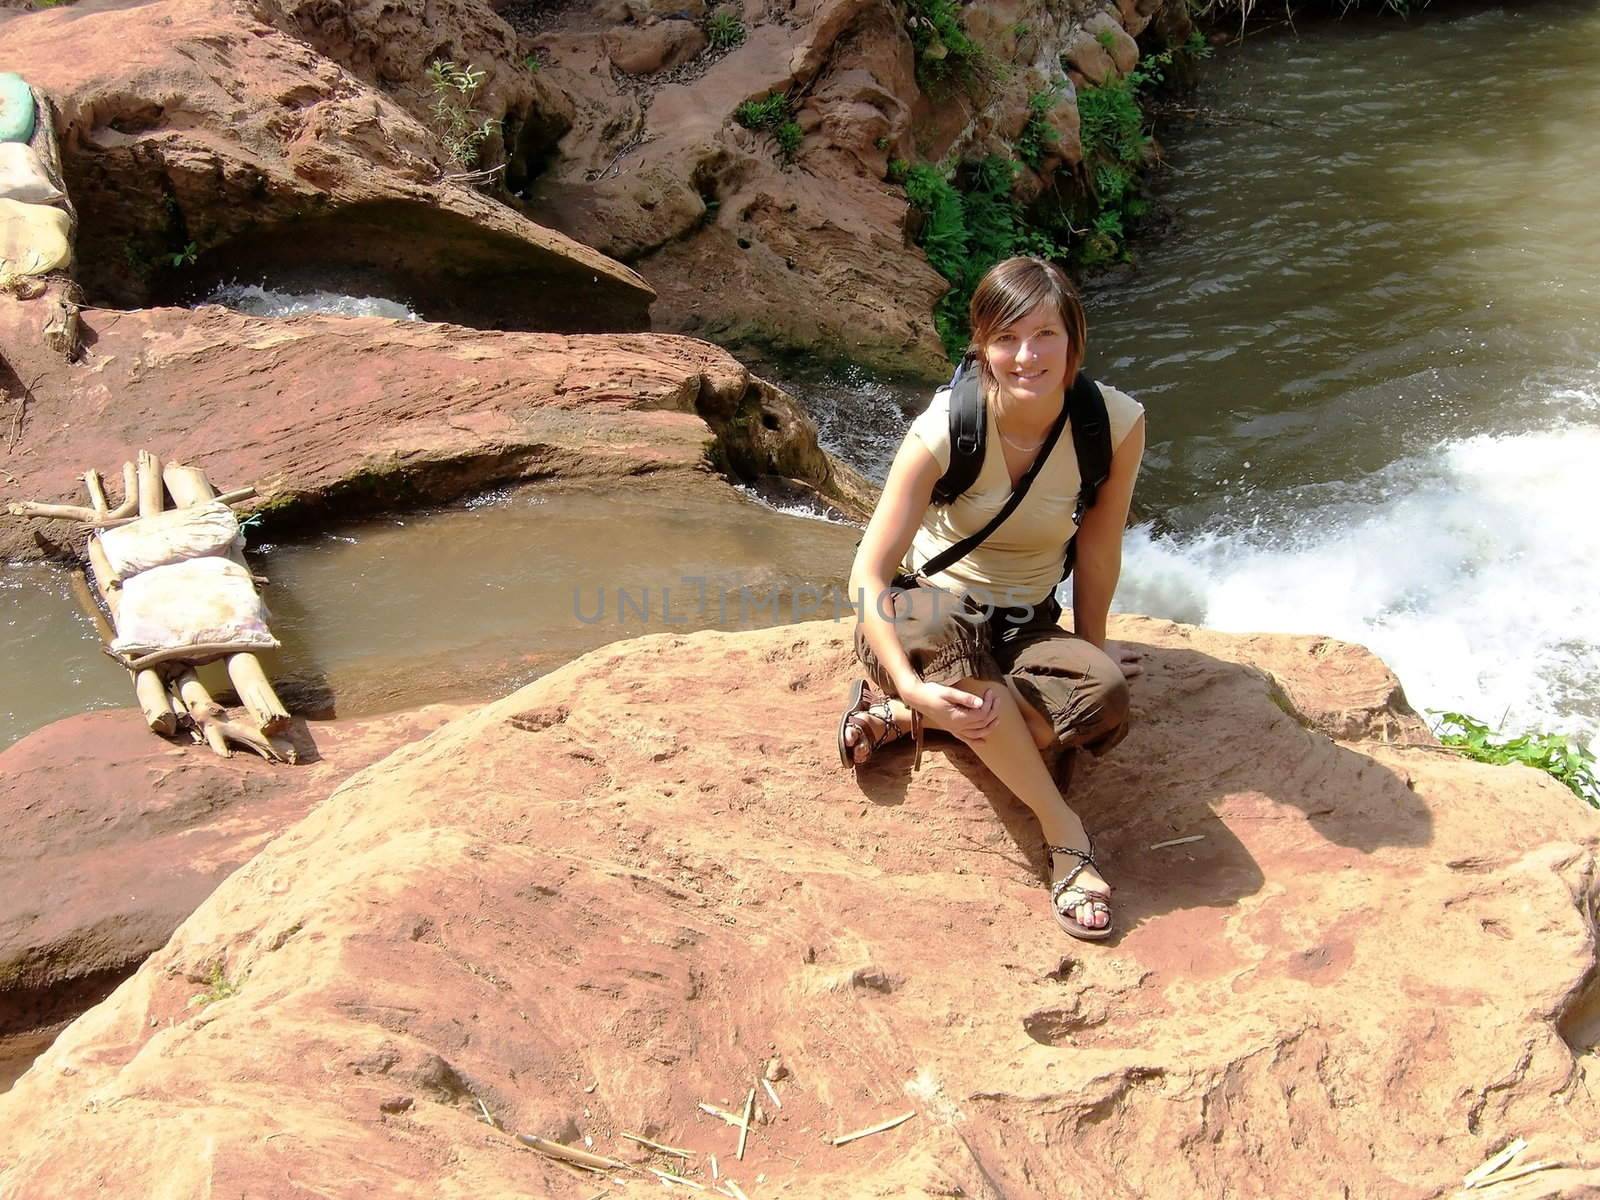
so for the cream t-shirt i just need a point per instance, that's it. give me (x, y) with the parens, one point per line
(1020, 562)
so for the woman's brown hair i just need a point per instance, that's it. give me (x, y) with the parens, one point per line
(1010, 290)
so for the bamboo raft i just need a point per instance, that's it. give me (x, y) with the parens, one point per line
(166, 683)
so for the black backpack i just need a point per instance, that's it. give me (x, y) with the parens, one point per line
(1085, 410)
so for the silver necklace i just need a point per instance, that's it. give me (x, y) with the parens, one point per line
(1015, 446)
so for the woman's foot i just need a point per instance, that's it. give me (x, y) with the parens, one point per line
(1079, 894)
(871, 724)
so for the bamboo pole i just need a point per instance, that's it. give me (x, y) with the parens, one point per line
(112, 521)
(97, 491)
(147, 684)
(130, 494)
(188, 486)
(55, 512)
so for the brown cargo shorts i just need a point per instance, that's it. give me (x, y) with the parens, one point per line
(949, 637)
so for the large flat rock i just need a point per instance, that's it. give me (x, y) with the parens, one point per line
(620, 891)
(114, 836)
(333, 416)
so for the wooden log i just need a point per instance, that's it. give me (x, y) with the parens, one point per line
(115, 522)
(63, 326)
(150, 491)
(212, 721)
(97, 491)
(147, 684)
(130, 494)
(54, 512)
(189, 486)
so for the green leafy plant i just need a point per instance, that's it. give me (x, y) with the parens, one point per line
(1107, 39)
(533, 62)
(1037, 134)
(1557, 755)
(969, 222)
(185, 257)
(898, 167)
(772, 115)
(218, 987)
(944, 52)
(725, 30)
(462, 128)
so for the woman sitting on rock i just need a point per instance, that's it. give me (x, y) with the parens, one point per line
(967, 637)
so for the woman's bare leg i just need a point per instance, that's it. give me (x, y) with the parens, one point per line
(1011, 752)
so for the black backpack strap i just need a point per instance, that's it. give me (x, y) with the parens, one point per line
(967, 545)
(1091, 441)
(969, 427)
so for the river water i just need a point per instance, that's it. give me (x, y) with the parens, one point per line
(1369, 351)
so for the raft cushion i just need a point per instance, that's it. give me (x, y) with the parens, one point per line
(23, 177)
(209, 602)
(200, 531)
(16, 108)
(34, 238)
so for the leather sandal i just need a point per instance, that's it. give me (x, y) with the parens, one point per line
(861, 702)
(1079, 896)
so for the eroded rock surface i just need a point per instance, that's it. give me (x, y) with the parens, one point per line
(209, 139)
(814, 255)
(623, 890)
(114, 836)
(333, 416)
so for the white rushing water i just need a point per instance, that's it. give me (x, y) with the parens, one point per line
(1469, 569)
(259, 301)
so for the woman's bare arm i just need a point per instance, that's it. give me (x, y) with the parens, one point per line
(1099, 554)
(906, 495)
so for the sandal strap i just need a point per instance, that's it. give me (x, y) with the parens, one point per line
(1066, 883)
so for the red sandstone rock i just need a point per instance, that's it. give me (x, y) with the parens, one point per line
(332, 415)
(621, 891)
(113, 837)
(646, 49)
(199, 124)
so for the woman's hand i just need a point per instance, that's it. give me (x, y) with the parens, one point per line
(962, 713)
(1127, 657)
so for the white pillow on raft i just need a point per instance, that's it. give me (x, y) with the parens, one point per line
(34, 238)
(201, 531)
(23, 177)
(204, 602)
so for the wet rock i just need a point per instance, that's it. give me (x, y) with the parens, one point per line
(388, 413)
(1251, 1020)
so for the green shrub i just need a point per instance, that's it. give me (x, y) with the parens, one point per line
(772, 115)
(1037, 134)
(533, 63)
(765, 114)
(1555, 754)
(970, 222)
(944, 52)
(725, 30)
(458, 122)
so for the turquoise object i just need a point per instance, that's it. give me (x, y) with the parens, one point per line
(16, 108)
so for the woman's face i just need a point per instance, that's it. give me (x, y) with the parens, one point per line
(1028, 358)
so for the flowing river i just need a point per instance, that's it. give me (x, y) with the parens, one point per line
(1369, 350)
(1370, 353)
